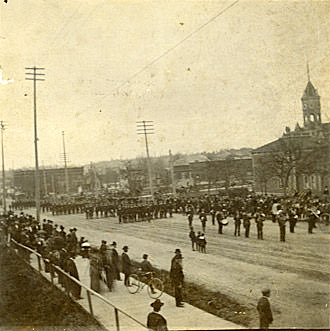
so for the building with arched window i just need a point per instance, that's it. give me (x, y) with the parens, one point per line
(299, 160)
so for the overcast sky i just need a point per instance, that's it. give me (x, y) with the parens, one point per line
(234, 82)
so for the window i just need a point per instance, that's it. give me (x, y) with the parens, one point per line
(312, 117)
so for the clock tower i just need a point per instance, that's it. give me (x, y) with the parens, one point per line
(311, 106)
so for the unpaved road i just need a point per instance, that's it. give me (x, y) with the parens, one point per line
(297, 271)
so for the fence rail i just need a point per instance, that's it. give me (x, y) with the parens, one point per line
(89, 291)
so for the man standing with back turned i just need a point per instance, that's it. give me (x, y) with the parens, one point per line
(264, 310)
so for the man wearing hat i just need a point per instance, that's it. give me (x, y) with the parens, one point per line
(126, 265)
(156, 321)
(282, 218)
(264, 310)
(176, 275)
(147, 269)
(115, 260)
(259, 219)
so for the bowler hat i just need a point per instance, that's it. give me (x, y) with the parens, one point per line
(178, 250)
(265, 290)
(125, 247)
(157, 304)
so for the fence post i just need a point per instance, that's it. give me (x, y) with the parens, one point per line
(117, 319)
(51, 273)
(39, 263)
(90, 303)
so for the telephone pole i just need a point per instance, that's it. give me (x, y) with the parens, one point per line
(172, 173)
(34, 75)
(4, 206)
(66, 174)
(145, 128)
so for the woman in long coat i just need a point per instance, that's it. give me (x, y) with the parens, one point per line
(74, 288)
(95, 271)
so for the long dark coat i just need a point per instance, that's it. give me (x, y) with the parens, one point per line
(126, 263)
(74, 288)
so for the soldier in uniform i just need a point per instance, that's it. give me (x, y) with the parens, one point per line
(119, 213)
(220, 216)
(282, 223)
(312, 218)
(260, 218)
(246, 224)
(192, 237)
(190, 216)
(292, 219)
(212, 212)
(237, 219)
(203, 218)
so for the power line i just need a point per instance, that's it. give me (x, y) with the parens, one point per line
(213, 18)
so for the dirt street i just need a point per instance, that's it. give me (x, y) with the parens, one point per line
(297, 271)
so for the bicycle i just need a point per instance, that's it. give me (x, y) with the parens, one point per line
(139, 280)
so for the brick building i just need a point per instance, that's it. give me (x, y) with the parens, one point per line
(220, 172)
(299, 160)
(52, 180)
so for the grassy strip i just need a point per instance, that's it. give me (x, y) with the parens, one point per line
(212, 302)
(30, 301)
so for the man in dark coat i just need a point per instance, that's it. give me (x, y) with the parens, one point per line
(220, 216)
(246, 224)
(176, 275)
(260, 218)
(126, 265)
(192, 237)
(282, 223)
(238, 222)
(115, 260)
(156, 321)
(312, 219)
(264, 310)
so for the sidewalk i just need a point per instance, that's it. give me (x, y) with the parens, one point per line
(138, 306)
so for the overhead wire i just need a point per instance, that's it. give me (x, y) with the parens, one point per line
(213, 18)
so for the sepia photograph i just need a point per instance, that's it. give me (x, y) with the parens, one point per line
(165, 165)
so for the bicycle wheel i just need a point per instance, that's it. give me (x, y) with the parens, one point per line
(134, 283)
(155, 288)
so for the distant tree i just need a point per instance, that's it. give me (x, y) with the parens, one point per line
(263, 172)
(291, 157)
(284, 158)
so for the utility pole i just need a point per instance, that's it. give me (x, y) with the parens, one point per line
(172, 173)
(36, 76)
(66, 174)
(45, 180)
(2, 126)
(145, 128)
